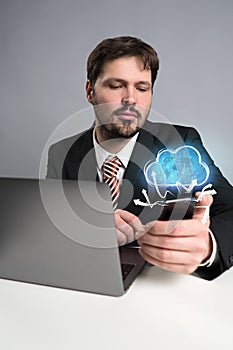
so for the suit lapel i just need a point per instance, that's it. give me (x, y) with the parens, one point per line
(80, 162)
(134, 180)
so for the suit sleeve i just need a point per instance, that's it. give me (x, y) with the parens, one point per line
(221, 213)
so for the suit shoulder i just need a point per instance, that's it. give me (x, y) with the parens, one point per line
(172, 134)
(65, 148)
(181, 129)
(67, 143)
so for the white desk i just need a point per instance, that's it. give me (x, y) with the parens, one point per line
(161, 310)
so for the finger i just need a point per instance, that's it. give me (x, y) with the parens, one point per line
(180, 268)
(201, 211)
(175, 228)
(167, 242)
(164, 227)
(171, 256)
(133, 221)
(121, 238)
(124, 228)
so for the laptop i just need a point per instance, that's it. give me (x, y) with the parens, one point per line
(61, 233)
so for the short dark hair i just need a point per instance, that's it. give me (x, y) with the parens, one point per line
(113, 48)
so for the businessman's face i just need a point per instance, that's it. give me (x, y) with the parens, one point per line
(121, 97)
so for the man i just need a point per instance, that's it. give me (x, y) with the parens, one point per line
(120, 76)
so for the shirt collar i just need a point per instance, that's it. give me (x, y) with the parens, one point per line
(124, 154)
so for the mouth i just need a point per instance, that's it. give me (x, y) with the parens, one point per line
(127, 117)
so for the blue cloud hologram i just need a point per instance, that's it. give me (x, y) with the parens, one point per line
(181, 166)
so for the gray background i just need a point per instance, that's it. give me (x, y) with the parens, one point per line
(43, 50)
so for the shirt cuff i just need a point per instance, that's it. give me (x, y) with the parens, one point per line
(212, 257)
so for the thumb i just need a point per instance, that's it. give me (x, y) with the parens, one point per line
(201, 211)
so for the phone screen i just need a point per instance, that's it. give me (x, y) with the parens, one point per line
(178, 209)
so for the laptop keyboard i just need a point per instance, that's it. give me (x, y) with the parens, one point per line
(126, 268)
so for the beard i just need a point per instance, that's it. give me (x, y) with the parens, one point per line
(118, 130)
(117, 127)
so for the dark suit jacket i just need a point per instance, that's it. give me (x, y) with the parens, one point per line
(74, 158)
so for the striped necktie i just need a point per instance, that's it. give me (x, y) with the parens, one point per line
(111, 167)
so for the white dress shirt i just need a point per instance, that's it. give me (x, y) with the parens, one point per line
(124, 155)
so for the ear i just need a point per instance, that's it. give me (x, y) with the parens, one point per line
(89, 92)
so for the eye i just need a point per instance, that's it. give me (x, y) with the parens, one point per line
(115, 86)
(142, 89)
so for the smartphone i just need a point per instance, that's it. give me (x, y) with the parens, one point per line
(178, 209)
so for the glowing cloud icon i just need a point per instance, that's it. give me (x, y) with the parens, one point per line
(180, 167)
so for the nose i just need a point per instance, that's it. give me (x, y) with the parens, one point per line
(129, 96)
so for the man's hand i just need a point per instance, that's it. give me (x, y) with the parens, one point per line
(127, 225)
(179, 246)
